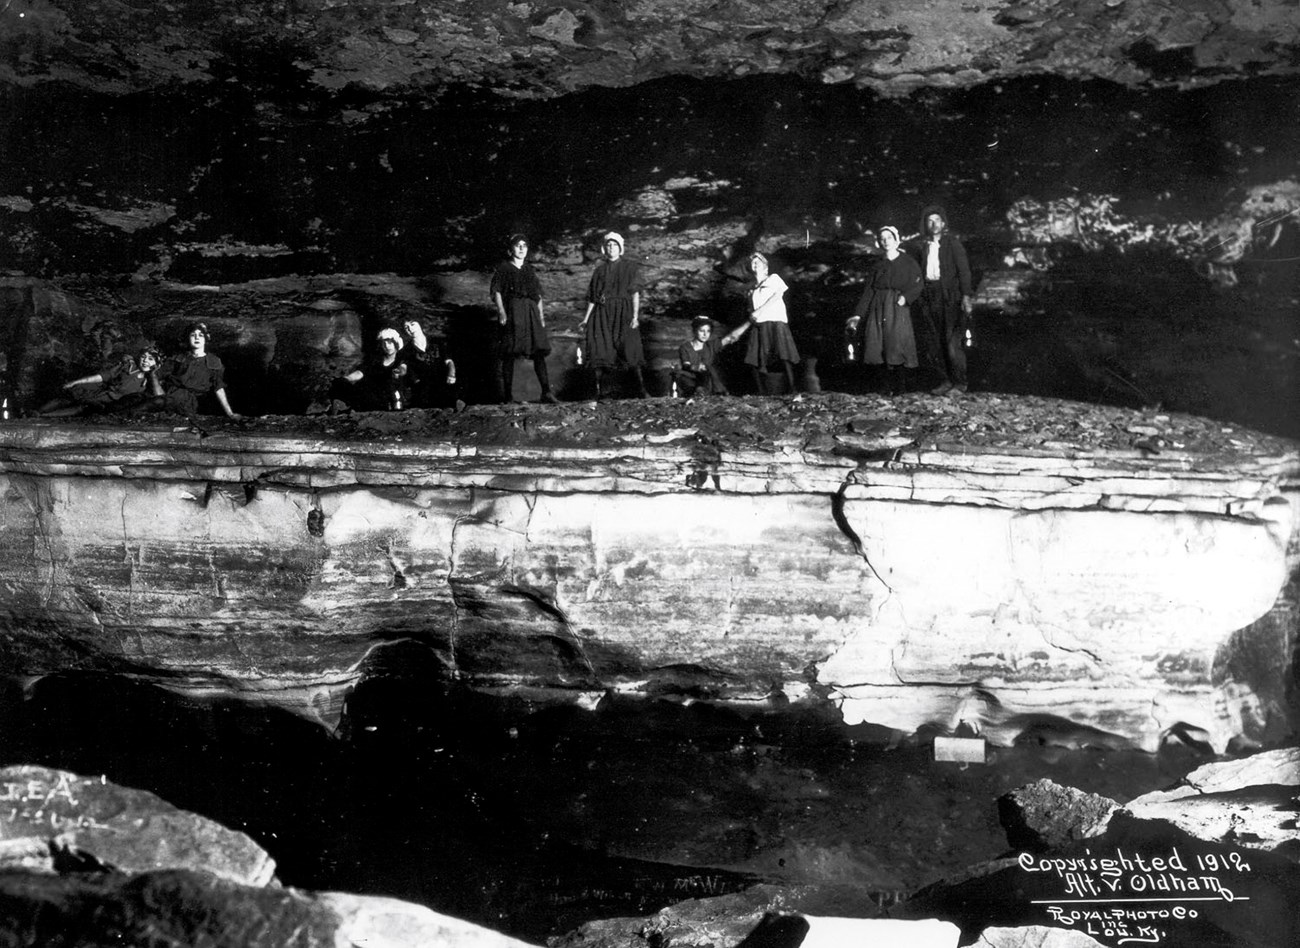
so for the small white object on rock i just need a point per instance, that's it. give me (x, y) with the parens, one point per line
(964, 750)
(827, 932)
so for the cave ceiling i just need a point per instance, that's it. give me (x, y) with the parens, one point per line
(544, 49)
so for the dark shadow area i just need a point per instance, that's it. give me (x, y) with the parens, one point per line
(1142, 330)
(533, 821)
(419, 186)
(408, 806)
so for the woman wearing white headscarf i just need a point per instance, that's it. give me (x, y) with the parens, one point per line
(880, 329)
(383, 380)
(613, 318)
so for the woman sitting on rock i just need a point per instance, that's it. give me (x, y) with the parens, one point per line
(115, 388)
(771, 340)
(382, 383)
(193, 382)
(432, 377)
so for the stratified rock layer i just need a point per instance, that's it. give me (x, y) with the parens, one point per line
(1018, 566)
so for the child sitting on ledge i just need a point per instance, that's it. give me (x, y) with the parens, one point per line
(698, 374)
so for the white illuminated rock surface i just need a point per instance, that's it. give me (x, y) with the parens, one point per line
(1251, 803)
(925, 562)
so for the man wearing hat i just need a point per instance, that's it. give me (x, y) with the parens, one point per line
(613, 318)
(945, 302)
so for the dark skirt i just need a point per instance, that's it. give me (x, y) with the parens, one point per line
(181, 401)
(123, 403)
(770, 342)
(610, 336)
(523, 334)
(117, 386)
(886, 330)
(368, 394)
(93, 396)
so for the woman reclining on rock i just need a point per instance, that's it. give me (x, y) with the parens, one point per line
(118, 387)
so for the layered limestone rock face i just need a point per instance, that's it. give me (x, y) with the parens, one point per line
(918, 562)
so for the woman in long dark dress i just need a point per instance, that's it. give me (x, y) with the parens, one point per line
(613, 318)
(880, 329)
(521, 320)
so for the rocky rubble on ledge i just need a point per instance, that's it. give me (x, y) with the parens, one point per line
(85, 862)
(1130, 581)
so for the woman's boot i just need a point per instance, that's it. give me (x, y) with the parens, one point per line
(506, 380)
(544, 379)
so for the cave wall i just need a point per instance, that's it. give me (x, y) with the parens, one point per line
(191, 186)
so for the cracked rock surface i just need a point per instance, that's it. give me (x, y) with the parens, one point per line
(918, 562)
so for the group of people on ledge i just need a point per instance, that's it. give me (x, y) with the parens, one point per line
(932, 278)
(188, 383)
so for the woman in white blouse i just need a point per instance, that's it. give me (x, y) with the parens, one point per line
(771, 340)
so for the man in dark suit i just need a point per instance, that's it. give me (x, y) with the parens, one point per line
(945, 301)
